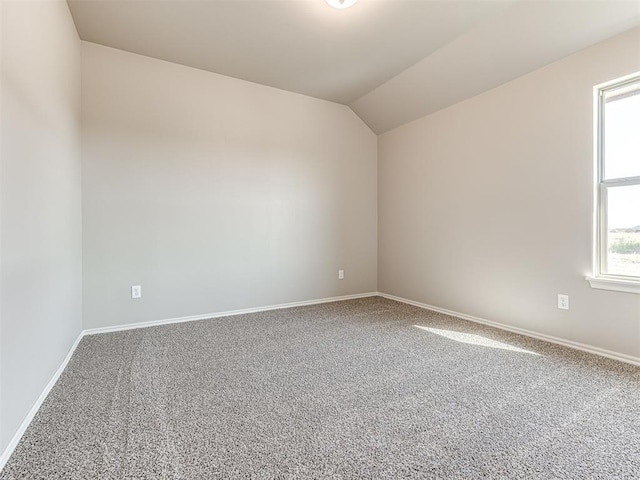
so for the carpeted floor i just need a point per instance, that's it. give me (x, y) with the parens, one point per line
(349, 389)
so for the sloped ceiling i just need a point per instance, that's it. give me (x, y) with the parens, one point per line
(515, 41)
(391, 61)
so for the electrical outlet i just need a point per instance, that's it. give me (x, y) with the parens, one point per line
(340, 274)
(136, 291)
(563, 302)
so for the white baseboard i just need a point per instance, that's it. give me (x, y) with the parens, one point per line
(528, 333)
(36, 406)
(92, 331)
(155, 323)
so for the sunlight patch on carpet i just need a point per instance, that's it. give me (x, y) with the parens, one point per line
(473, 339)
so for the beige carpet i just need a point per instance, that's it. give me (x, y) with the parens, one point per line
(367, 388)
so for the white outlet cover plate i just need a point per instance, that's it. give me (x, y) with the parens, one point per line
(563, 302)
(136, 291)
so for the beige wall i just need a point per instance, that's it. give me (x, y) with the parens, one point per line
(485, 208)
(217, 194)
(40, 222)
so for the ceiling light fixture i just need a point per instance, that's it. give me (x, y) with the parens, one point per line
(341, 3)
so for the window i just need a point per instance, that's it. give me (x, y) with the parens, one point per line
(617, 223)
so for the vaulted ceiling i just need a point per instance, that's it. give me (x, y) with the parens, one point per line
(391, 61)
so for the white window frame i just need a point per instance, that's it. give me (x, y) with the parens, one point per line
(621, 283)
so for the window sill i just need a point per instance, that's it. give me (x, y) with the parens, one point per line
(618, 285)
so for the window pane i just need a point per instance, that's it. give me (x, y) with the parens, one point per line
(623, 231)
(622, 134)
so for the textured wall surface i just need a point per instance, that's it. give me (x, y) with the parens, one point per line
(216, 194)
(485, 208)
(41, 208)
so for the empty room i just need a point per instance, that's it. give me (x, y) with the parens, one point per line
(329, 239)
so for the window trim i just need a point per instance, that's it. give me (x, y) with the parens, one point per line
(622, 283)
